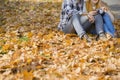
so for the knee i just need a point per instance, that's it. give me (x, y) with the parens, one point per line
(98, 16)
(76, 16)
(99, 19)
(106, 15)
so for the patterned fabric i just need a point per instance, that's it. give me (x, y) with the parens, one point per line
(70, 8)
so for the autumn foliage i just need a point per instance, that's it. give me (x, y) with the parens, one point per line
(31, 47)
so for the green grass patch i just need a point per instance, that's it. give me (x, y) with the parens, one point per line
(24, 38)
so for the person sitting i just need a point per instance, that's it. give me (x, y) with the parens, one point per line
(74, 19)
(100, 8)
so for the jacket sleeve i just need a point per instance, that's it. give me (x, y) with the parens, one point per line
(69, 8)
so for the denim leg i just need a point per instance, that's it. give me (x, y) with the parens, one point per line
(108, 25)
(99, 24)
(74, 25)
(69, 28)
(87, 25)
(83, 19)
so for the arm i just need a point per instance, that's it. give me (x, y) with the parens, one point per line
(90, 13)
(68, 8)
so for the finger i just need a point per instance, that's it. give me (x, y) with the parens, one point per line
(92, 19)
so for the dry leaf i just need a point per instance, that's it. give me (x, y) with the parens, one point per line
(28, 75)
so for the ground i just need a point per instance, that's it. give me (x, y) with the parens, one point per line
(31, 47)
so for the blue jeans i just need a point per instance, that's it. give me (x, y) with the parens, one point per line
(75, 26)
(108, 25)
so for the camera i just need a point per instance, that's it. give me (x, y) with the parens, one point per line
(100, 11)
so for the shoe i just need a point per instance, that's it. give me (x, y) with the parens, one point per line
(102, 36)
(86, 38)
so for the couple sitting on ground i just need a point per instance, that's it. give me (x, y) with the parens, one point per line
(79, 16)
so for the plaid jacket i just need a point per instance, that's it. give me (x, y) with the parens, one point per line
(70, 8)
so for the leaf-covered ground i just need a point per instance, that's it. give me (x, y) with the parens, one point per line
(31, 48)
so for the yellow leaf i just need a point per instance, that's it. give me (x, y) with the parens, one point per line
(6, 66)
(5, 47)
(30, 34)
(49, 36)
(29, 61)
(27, 75)
(38, 67)
(15, 55)
(68, 42)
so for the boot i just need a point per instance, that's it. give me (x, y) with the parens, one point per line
(86, 38)
(102, 36)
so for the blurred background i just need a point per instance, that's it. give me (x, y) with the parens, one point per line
(115, 7)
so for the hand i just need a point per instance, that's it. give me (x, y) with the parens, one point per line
(91, 18)
(104, 9)
(92, 13)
